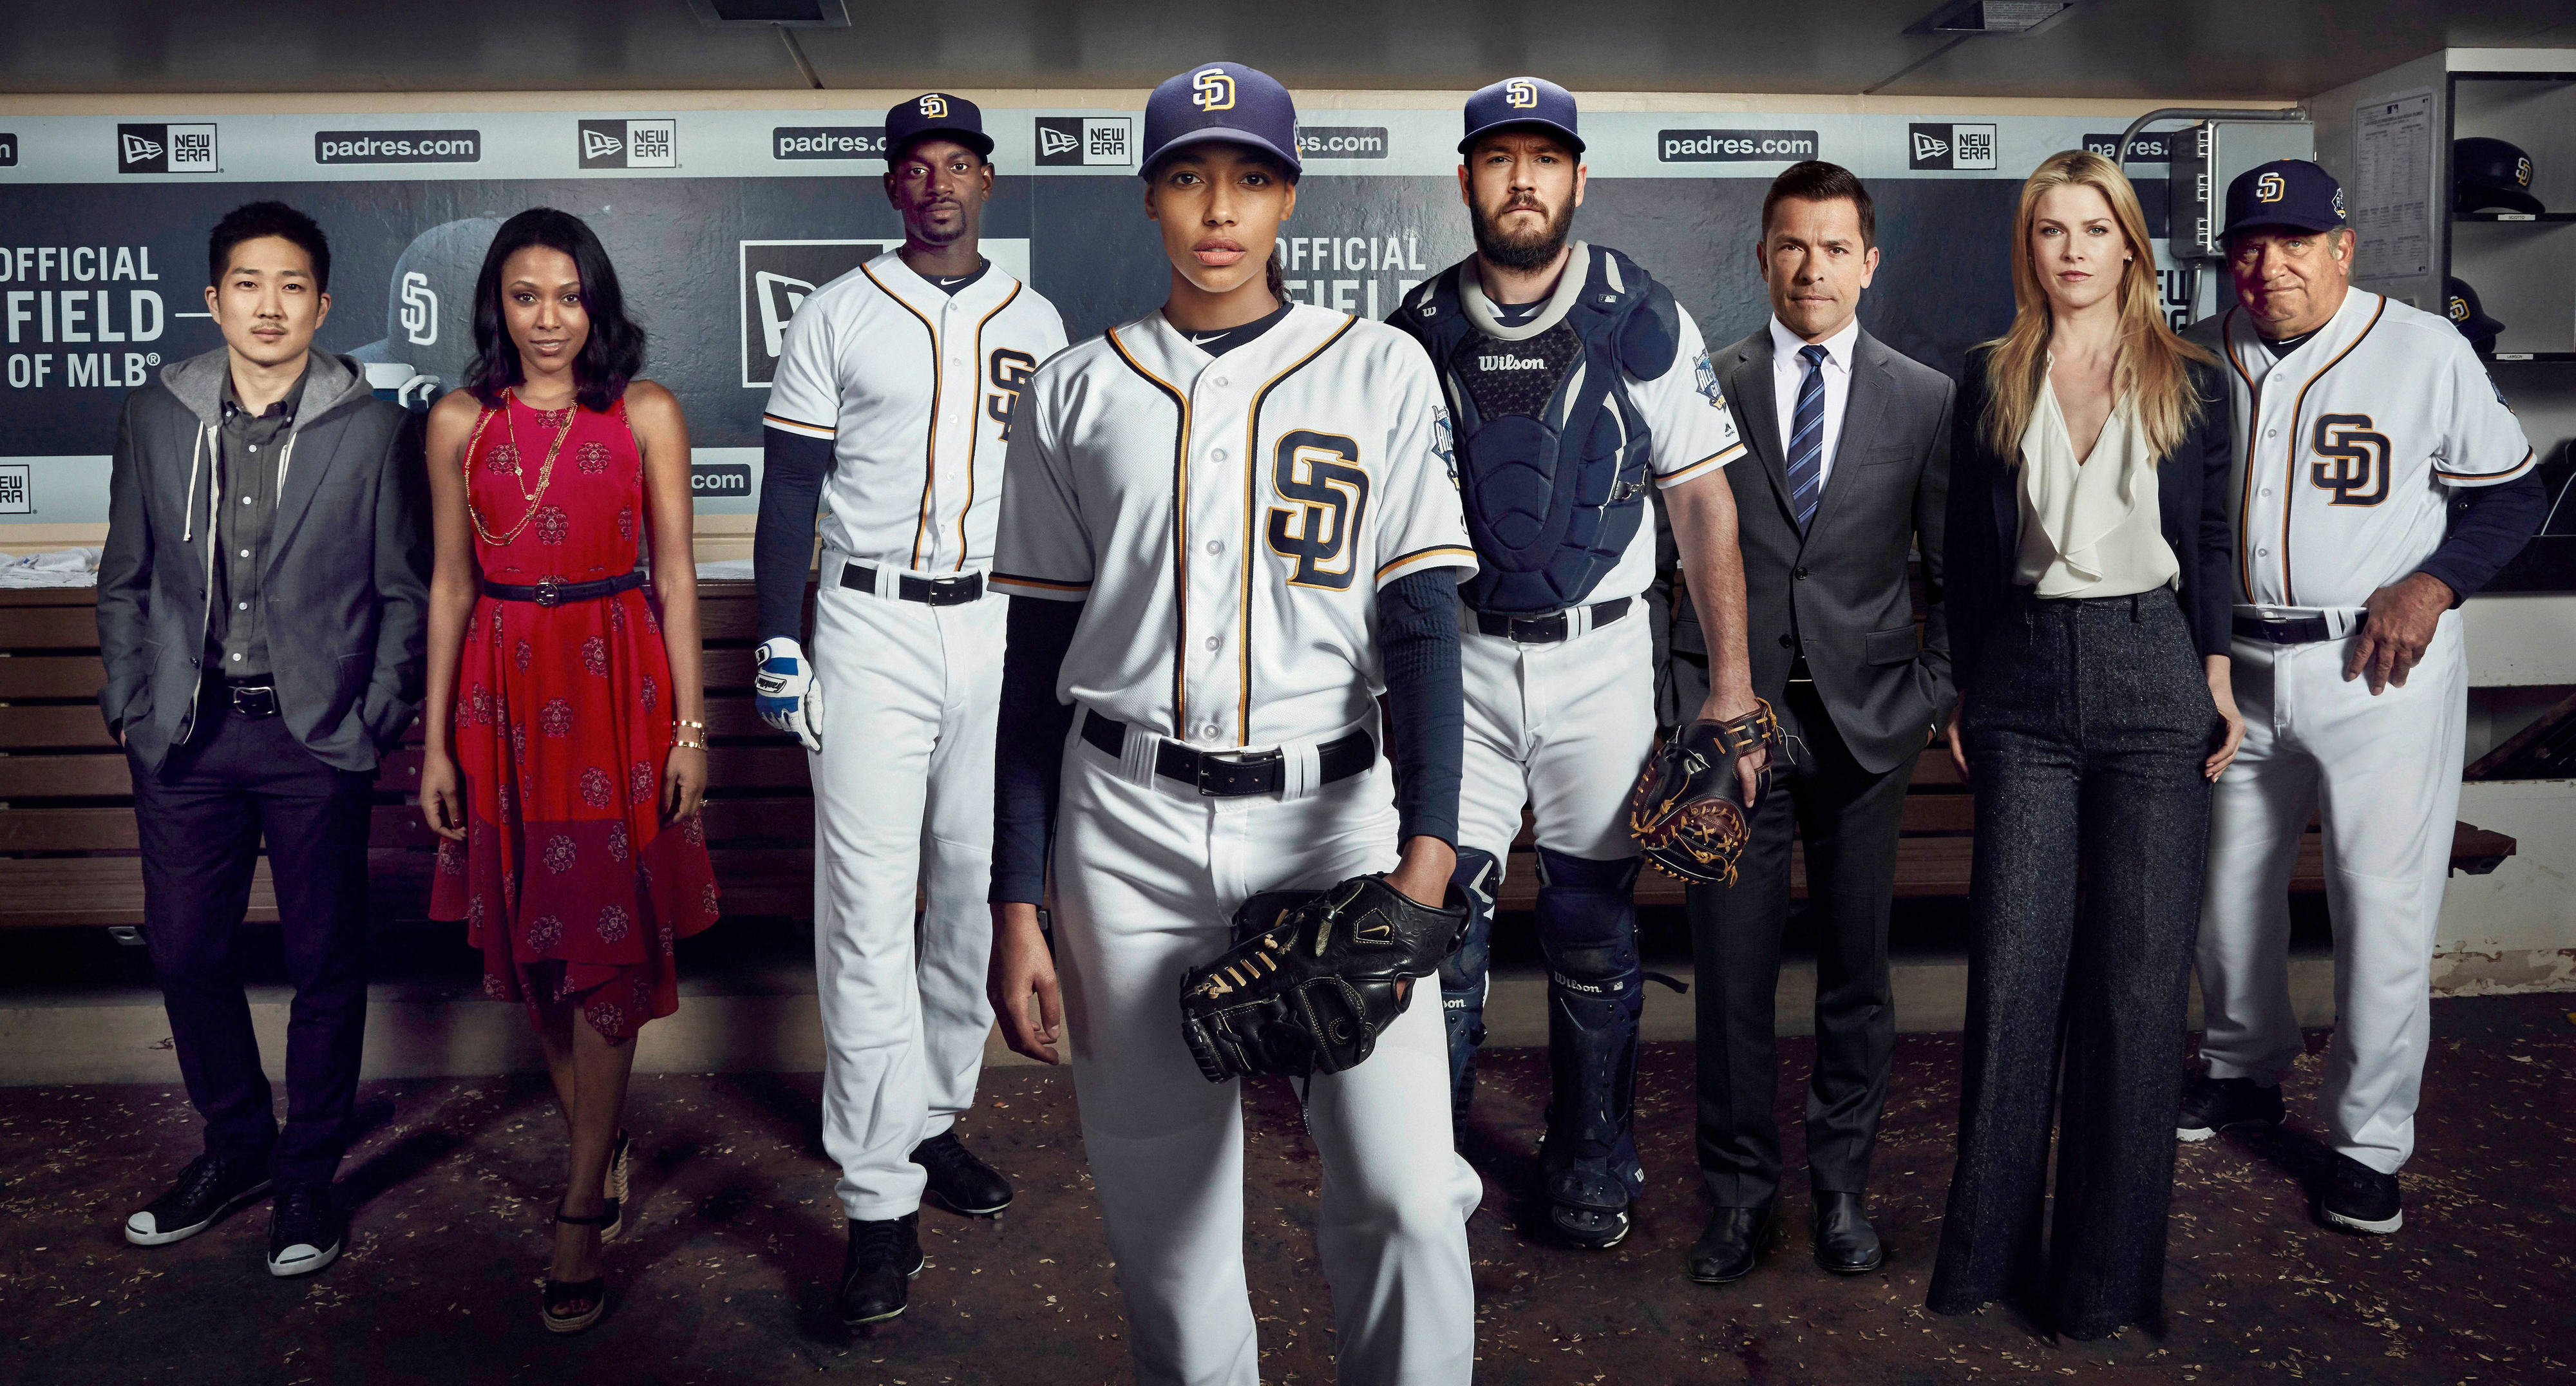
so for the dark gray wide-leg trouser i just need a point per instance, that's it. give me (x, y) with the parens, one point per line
(2085, 731)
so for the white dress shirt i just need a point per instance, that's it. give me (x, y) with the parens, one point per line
(1789, 371)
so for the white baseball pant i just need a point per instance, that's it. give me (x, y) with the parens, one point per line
(2383, 776)
(1561, 727)
(1148, 875)
(905, 777)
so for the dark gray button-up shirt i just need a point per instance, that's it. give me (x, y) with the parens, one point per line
(237, 634)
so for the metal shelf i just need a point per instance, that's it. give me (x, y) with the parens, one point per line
(2513, 218)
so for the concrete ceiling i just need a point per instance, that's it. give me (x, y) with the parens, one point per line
(2181, 49)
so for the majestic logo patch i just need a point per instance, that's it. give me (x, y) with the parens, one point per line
(1319, 473)
(2352, 459)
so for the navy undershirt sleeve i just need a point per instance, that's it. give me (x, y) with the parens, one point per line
(1028, 747)
(792, 468)
(1426, 700)
(2493, 524)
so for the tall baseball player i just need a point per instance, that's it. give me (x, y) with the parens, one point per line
(1227, 526)
(2358, 421)
(892, 407)
(1577, 383)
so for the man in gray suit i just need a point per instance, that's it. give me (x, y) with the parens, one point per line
(261, 610)
(1850, 451)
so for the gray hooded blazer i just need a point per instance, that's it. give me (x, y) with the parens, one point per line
(345, 579)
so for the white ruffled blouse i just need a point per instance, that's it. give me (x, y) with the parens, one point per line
(2090, 528)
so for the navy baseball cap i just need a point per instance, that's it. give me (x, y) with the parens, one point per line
(935, 113)
(2460, 304)
(1521, 101)
(2284, 192)
(1220, 101)
(2492, 175)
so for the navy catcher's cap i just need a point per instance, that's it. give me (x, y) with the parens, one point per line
(2285, 192)
(935, 113)
(1220, 101)
(1521, 101)
(2492, 176)
(2460, 305)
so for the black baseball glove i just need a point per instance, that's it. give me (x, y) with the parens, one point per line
(1688, 811)
(1312, 978)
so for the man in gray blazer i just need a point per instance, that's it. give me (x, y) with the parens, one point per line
(261, 610)
(1850, 451)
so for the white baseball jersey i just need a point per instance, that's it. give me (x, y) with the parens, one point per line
(1229, 520)
(2347, 449)
(915, 388)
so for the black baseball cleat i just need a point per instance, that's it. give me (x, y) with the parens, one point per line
(1845, 1242)
(966, 1184)
(2211, 1105)
(877, 1271)
(206, 1190)
(2361, 1199)
(304, 1231)
(1731, 1245)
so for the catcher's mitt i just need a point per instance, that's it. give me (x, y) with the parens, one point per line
(1688, 809)
(1313, 979)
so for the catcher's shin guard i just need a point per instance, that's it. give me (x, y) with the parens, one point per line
(1587, 929)
(1463, 981)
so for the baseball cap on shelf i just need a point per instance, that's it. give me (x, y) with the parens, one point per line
(2285, 192)
(935, 113)
(1521, 101)
(2460, 305)
(2491, 175)
(1220, 101)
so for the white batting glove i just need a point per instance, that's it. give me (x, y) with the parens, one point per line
(785, 693)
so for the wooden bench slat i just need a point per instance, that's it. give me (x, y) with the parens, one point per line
(54, 726)
(50, 676)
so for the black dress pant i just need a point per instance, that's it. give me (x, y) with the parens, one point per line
(1849, 817)
(201, 819)
(2086, 729)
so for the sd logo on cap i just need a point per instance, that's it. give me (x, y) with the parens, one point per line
(2490, 175)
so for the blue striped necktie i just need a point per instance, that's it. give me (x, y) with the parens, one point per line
(1807, 439)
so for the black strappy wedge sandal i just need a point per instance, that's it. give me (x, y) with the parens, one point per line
(559, 1293)
(614, 1190)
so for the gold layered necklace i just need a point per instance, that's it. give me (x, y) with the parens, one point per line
(545, 474)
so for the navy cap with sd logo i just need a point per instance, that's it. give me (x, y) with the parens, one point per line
(1521, 101)
(1220, 101)
(2492, 175)
(2292, 193)
(935, 113)
(2460, 304)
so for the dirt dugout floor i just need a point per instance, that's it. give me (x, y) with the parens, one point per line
(726, 1276)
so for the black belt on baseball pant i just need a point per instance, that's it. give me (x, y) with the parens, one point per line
(947, 591)
(1223, 776)
(2288, 630)
(555, 591)
(1548, 629)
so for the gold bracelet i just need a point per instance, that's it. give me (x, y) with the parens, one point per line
(685, 722)
(679, 745)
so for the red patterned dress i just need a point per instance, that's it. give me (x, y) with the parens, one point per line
(567, 879)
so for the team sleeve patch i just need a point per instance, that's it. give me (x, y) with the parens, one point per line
(1432, 556)
(1703, 466)
(796, 426)
(1706, 379)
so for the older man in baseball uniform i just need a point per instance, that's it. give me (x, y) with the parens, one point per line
(2358, 422)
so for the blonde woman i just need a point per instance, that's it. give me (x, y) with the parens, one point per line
(2088, 592)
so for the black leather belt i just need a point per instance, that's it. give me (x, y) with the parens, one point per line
(555, 591)
(2285, 630)
(947, 591)
(1221, 776)
(1549, 629)
(245, 698)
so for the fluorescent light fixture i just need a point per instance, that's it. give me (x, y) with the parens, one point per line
(2013, 17)
(764, 14)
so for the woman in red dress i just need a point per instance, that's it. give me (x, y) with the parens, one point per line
(566, 750)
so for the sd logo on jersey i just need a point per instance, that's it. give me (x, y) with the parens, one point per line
(2352, 460)
(1009, 371)
(1321, 473)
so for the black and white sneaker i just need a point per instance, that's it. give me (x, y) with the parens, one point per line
(2211, 1105)
(2361, 1199)
(958, 1179)
(304, 1231)
(207, 1189)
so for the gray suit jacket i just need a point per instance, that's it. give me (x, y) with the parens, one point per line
(1841, 588)
(345, 579)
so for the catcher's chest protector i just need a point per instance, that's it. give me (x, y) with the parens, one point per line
(1553, 459)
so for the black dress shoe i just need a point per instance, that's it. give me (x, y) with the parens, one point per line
(1845, 1242)
(1730, 1245)
(877, 1271)
(2211, 1105)
(206, 1190)
(2361, 1199)
(304, 1230)
(961, 1181)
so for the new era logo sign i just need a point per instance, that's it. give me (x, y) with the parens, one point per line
(1950, 147)
(630, 144)
(166, 149)
(1086, 141)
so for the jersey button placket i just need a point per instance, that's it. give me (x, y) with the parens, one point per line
(1217, 506)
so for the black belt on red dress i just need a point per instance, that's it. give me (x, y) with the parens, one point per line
(1224, 776)
(555, 592)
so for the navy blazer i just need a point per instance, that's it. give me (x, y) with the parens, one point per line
(1984, 529)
